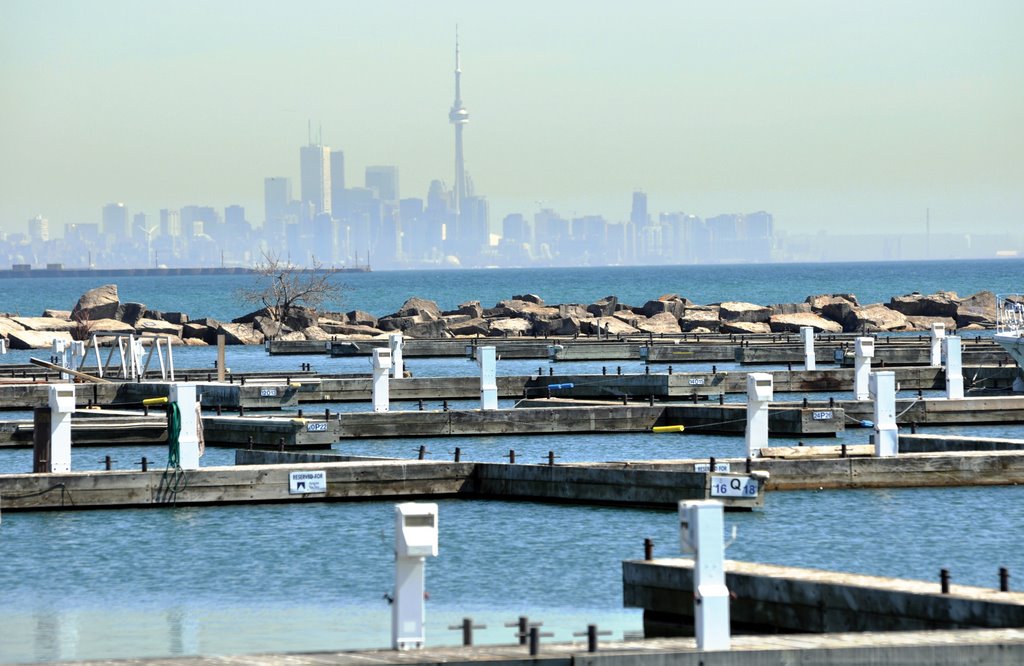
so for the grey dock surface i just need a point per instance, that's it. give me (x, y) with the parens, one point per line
(998, 647)
(768, 598)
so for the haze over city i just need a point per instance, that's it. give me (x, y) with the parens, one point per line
(830, 116)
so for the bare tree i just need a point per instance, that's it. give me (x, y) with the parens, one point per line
(280, 286)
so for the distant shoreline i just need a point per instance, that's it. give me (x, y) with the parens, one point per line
(151, 272)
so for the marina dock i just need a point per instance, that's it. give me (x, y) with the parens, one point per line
(771, 599)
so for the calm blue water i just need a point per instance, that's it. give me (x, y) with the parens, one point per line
(381, 293)
(116, 584)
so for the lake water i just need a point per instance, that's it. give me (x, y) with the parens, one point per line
(236, 579)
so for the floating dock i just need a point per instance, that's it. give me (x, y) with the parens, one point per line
(381, 480)
(770, 599)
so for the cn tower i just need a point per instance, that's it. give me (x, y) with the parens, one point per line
(458, 116)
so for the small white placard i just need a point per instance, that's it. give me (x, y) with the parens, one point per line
(696, 381)
(825, 415)
(302, 483)
(733, 486)
(268, 392)
(316, 426)
(705, 467)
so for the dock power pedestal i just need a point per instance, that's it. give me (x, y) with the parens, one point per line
(415, 540)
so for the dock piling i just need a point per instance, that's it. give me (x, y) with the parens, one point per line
(648, 549)
(458, 454)
(944, 580)
(144, 463)
(467, 628)
(422, 453)
(1004, 579)
(108, 463)
(592, 633)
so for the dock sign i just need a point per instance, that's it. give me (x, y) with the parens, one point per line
(303, 483)
(733, 486)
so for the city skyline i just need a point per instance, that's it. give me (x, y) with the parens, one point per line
(831, 117)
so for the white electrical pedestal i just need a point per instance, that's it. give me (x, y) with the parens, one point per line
(188, 439)
(486, 358)
(396, 342)
(807, 333)
(415, 539)
(381, 363)
(883, 392)
(760, 392)
(3, 345)
(77, 354)
(938, 334)
(59, 356)
(62, 406)
(864, 350)
(954, 367)
(702, 527)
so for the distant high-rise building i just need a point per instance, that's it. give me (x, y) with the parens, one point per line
(115, 220)
(315, 179)
(170, 222)
(384, 181)
(638, 215)
(337, 181)
(141, 226)
(277, 195)
(39, 228)
(234, 216)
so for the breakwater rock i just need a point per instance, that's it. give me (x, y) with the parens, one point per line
(100, 310)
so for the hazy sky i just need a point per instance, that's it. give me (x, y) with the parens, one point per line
(823, 113)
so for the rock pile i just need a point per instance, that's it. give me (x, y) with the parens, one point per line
(100, 310)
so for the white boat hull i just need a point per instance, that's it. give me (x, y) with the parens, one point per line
(1013, 343)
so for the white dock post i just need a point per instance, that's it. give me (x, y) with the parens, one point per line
(702, 530)
(3, 345)
(381, 363)
(807, 333)
(759, 395)
(938, 334)
(396, 342)
(415, 539)
(883, 392)
(62, 406)
(954, 367)
(188, 439)
(486, 358)
(864, 350)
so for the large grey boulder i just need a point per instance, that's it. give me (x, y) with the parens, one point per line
(819, 301)
(876, 318)
(435, 328)
(509, 326)
(790, 308)
(755, 327)
(299, 318)
(240, 334)
(561, 326)
(419, 306)
(99, 303)
(792, 323)
(662, 323)
(360, 318)
(670, 303)
(700, 318)
(45, 324)
(350, 330)
(131, 313)
(977, 309)
(736, 311)
(605, 307)
(939, 304)
(7, 325)
(469, 326)
(36, 339)
(925, 323)
(471, 309)
(607, 326)
(529, 298)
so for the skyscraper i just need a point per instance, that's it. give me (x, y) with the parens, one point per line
(458, 116)
(315, 176)
(277, 195)
(384, 181)
(115, 220)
